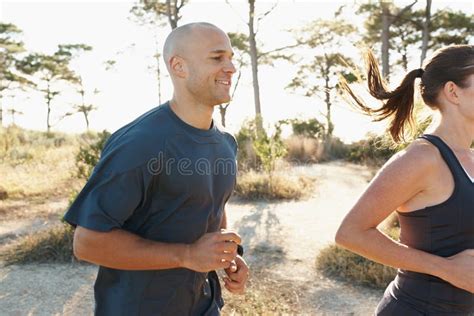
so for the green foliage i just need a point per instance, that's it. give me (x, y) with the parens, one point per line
(374, 150)
(446, 28)
(334, 148)
(239, 41)
(246, 156)
(310, 128)
(155, 11)
(11, 75)
(52, 69)
(89, 155)
(450, 27)
(270, 148)
(318, 76)
(259, 150)
(10, 46)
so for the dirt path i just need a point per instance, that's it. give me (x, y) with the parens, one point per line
(281, 240)
(287, 236)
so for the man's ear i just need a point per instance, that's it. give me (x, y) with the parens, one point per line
(178, 66)
(450, 92)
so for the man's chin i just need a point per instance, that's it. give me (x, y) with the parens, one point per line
(223, 100)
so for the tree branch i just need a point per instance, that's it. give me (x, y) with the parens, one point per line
(267, 13)
(181, 4)
(279, 49)
(241, 19)
(408, 7)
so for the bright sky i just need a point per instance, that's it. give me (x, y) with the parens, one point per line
(130, 88)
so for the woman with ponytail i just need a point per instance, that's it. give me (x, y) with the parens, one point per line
(430, 185)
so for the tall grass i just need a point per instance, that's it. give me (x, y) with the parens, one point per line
(338, 262)
(51, 245)
(254, 185)
(33, 163)
(303, 150)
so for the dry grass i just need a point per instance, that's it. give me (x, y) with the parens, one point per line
(266, 293)
(34, 164)
(339, 262)
(258, 185)
(51, 245)
(263, 296)
(336, 261)
(304, 149)
(36, 172)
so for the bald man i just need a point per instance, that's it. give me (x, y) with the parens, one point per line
(152, 214)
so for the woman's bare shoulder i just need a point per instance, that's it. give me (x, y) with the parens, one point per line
(418, 158)
(420, 152)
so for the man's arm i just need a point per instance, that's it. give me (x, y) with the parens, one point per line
(120, 249)
(224, 220)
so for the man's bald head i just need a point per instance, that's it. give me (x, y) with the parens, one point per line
(180, 40)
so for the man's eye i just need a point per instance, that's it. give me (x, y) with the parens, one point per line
(217, 58)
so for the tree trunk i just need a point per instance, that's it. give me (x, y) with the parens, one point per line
(1, 113)
(426, 32)
(404, 52)
(222, 111)
(48, 103)
(158, 75)
(172, 13)
(87, 121)
(327, 91)
(385, 39)
(254, 61)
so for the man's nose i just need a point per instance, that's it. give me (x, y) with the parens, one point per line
(229, 67)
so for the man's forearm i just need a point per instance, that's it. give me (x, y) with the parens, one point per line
(119, 249)
(224, 221)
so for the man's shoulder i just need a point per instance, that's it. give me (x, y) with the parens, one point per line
(227, 135)
(138, 141)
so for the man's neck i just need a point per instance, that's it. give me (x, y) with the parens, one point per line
(194, 114)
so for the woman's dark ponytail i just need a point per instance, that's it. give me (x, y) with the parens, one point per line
(399, 103)
(452, 63)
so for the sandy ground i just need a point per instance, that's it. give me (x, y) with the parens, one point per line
(282, 239)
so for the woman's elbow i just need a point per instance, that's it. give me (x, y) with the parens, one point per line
(348, 235)
(342, 235)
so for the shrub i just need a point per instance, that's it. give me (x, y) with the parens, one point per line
(246, 157)
(89, 154)
(3, 193)
(334, 148)
(257, 185)
(339, 262)
(375, 150)
(51, 245)
(336, 261)
(270, 148)
(259, 150)
(303, 149)
(311, 128)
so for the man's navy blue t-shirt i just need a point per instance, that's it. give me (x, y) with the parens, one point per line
(166, 181)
